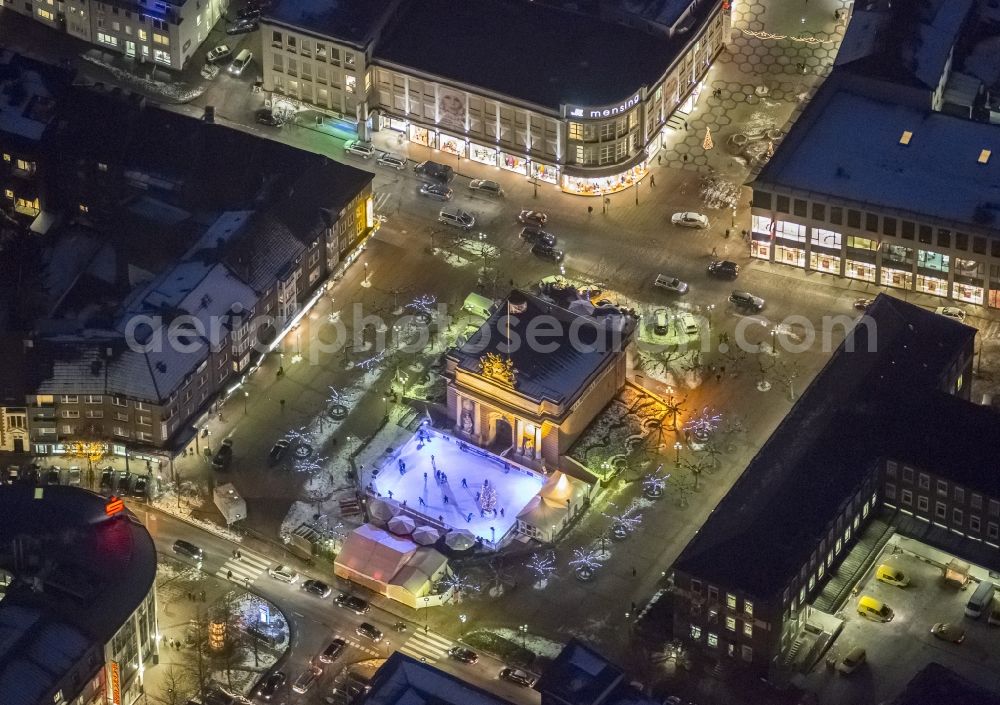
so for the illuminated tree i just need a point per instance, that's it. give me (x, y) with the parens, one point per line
(543, 565)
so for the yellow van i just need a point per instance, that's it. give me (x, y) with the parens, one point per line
(891, 576)
(874, 610)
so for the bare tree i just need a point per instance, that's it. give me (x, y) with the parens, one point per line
(177, 686)
(785, 372)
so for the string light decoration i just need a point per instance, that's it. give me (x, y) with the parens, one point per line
(801, 38)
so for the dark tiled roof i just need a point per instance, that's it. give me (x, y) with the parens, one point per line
(352, 20)
(530, 52)
(403, 680)
(579, 675)
(559, 373)
(97, 572)
(852, 414)
(936, 685)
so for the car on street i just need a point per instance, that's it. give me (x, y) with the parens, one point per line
(266, 117)
(219, 53)
(369, 631)
(852, 662)
(457, 218)
(670, 283)
(517, 676)
(282, 573)
(690, 220)
(891, 576)
(352, 603)
(239, 64)
(530, 217)
(391, 160)
(242, 27)
(951, 312)
(434, 171)
(209, 71)
(534, 235)
(140, 487)
(439, 192)
(223, 456)
(746, 300)
(487, 186)
(863, 304)
(359, 149)
(107, 480)
(73, 476)
(278, 450)
(51, 477)
(723, 269)
(946, 631)
(307, 679)
(186, 548)
(317, 588)
(271, 685)
(547, 252)
(460, 653)
(333, 650)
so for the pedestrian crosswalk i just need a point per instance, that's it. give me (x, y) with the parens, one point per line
(381, 200)
(246, 568)
(426, 646)
(991, 331)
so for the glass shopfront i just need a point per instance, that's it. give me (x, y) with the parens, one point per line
(451, 145)
(794, 256)
(865, 271)
(932, 285)
(397, 124)
(971, 292)
(482, 154)
(584, 186)
(897, 278)
(994, 300)
(422, 135)
(760, 248)
(824, 262)
(512, 162)
(545, 172)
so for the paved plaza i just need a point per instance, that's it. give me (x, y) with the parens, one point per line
(414, 477)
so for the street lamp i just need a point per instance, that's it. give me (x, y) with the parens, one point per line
(677, 451)
(524, 632)
(385, 400)
(245, 396)
(427, 614)
(774, 334)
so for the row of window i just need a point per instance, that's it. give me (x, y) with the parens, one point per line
(610, 130)
(941, 487)
(874, 223)
(746, 652)
(99, 414)
(305, 47)
(99, 399)
(712, 595)
(118, 431)
(941, 511)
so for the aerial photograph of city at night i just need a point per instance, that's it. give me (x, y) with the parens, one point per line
(499, 352)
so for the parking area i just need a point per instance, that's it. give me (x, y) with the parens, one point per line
(898, 649)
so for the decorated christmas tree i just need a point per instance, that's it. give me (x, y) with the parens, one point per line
(488, 497)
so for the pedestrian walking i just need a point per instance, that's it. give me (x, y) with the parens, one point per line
(282, 402)
(501, 511)
(420, 501)
(633, 571)
(723, 370)
(445, 498)
(389, 492)
(425, 477)
(685, 124)
(478, 494)
(229, 575)
(718, 376)
(202, 595)
(715, 252)
(468, 519)
(685, 157)
(659, 159)
(482, 513)
(465, 484)
(239, 555)
(652, 180)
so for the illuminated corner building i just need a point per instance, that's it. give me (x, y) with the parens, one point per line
(884, 439)
(78, 620)
(164, 32)
(889, 176)
(579, 97)
(150, 218)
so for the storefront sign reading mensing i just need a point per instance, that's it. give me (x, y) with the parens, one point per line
(604, 111)
(116, 687)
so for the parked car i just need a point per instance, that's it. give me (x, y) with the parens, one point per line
(746, 300)
(874, 610)
(491, 188)
(534, 235)
(394, 161)
(238, 65)
(283, 574)
(863, 304)
(852, 662)
(140, 488)
(278, 450)
(548, 252)
(333, 650)
(460, 653)
(951, 312)
(724, 269)
(73, 476)
(243, 27)
(530, 217)
(317, 588)
(350, 602)
(307, 679)
(434, 171)
(271, 685)
(219, 53)
(948, 632)
(223, 456)
(359, 149)
(266, 117)
(369, 631)
(439, 192)
(891, 576)
(690, 220)
(517, 676)
(13, 474)
(670, 283)
(209, 71)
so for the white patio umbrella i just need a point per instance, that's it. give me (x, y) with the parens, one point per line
(402, 525)
(426, 535)
(382, 510)
(460, 540)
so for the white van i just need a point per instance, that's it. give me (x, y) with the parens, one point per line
(239, 64)
(689, 324)
(981, 599)
(478, 305)
(457, 218)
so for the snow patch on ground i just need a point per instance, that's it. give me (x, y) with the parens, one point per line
(539, 645)
(177, 93)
